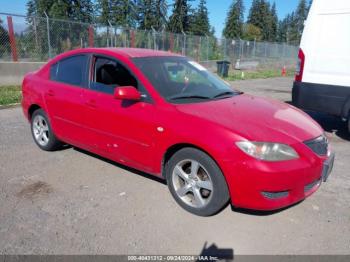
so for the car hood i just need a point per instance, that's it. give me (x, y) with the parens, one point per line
(256, 118)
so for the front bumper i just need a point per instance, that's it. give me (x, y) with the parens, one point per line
(262, 185)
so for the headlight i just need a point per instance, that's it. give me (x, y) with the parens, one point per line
(268, 151)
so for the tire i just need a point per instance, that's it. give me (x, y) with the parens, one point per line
(348, 123)
(42, 132)
(196, 182)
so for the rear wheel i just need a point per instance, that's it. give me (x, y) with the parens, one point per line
(196, 182)
(42, 132)
(349, 123)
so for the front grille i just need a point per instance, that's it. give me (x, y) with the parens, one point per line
(319, 145)
(275, 195)
(311, 185)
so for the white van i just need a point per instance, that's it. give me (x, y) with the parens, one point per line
(322, 81)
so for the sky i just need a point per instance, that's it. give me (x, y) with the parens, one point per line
(217, 9)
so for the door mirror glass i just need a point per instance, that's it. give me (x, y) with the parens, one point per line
(127, 93)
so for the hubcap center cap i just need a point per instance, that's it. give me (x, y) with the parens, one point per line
(192, 183)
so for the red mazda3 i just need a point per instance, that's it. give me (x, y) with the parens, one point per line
(168, 116)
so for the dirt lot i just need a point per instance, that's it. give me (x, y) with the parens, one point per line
(70, 202)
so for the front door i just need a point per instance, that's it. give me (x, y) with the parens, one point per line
(122, 130)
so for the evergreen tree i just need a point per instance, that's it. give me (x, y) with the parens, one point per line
(260, 16)
(254, 14)
(273, 23)
(300, 17)
(180, 19)
(79, 10)
(103, 11)
(152, 13)
(234, 21)
(4, 38)
(200, 20)
(123, 13)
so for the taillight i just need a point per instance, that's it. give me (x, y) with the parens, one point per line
(300, 66)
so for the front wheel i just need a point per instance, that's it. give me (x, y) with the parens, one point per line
(196, 182)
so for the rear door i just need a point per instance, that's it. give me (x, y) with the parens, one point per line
(64, 98)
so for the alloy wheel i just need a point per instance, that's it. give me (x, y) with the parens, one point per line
(192, 183)
(41, 130)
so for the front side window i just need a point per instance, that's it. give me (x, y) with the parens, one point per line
(180, 80)
(109, 74)
(70, 70)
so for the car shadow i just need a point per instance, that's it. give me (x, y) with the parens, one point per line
(129, 169)
(329, 123)
(214, 253)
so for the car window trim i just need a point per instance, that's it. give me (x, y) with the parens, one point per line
(145, 95)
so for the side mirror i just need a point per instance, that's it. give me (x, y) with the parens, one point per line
(127, 93)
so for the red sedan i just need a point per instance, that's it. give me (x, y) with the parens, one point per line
(168, 116)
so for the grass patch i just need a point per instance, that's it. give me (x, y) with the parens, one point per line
(10, 95)
(237, 75)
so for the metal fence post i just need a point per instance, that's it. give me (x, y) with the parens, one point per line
(12, 39)
(154, 38)
(171, 42)
(199, 49)
(225, 49)
(184, 43)
(254, 47)
(207, 47)
(48, 33)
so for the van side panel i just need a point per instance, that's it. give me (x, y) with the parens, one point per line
(326, 44)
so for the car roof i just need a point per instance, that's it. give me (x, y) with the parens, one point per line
(141, 52)
(126, 52)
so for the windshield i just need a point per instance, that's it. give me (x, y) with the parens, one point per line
(180, 80)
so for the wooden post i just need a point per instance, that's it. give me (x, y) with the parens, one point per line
(12, 39)
(91, 36)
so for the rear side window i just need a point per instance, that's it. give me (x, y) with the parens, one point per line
(70, 70)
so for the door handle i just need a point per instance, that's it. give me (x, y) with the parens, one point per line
(91, 103)
(50, 92)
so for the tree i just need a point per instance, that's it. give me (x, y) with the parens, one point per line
(200, 21)
(300, 17)
(273, 23)
(254, 14)
(79, 10)
(123, 13)
(260, 16)
(234, 21)
(5, 40)
(251, 32)
(180, 19)
(63, 35)
(152, 13)
(103, 13)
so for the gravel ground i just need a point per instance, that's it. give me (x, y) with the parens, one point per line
(71, 202)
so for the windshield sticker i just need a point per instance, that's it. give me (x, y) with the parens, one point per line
(198, 66)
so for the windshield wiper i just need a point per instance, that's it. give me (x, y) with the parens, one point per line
(188, 97)
(224, 94)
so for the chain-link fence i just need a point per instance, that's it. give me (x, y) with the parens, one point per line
(40, 38)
